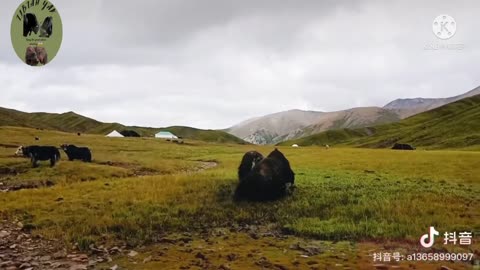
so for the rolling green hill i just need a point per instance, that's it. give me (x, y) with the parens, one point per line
(203, 135)
(72, 122)
(455, 125)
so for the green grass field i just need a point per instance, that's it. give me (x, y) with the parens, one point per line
(139, 188)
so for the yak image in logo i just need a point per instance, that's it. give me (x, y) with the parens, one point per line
(30, 24)
(430, 236)
(36, 55)
(47, 27)
(444, 26)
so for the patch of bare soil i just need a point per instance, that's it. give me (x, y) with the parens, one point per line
(233, 247)
(203, 165)
(135, 169)
(237, 247)
(259, 247)
(21, 250)
(6, 171)
(124, 165)
(8, 186)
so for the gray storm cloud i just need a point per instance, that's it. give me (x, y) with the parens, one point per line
(214, 63)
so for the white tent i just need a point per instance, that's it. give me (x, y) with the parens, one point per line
(115, 134)
(165, 135)
(294, 145)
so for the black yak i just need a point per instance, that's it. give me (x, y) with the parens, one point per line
(40, 153)
(47, 27)
(264, 178)
(77, 153)
(403, 146)
(249, 160)
(30, 24)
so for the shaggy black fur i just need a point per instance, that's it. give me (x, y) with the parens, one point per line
(249, 160)
(30, 24)
(47, 27)
(264, 178)
(41, 153)
(77, 153)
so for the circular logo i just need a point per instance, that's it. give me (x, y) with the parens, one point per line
(36, 32)
(444, 26)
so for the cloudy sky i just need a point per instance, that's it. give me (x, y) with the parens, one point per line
(214, 63)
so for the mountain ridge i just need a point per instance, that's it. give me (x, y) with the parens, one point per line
(287, 125)
(407, 107)
(450, 126)
(276, 127)
(73, 122)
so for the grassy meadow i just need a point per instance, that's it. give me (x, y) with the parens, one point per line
(139, 189)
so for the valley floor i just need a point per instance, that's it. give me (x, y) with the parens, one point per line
(151, 204)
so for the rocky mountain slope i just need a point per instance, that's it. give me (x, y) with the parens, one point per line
(454, 125)
(270, 128)
(294, 124)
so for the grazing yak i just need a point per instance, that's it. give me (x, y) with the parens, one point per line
(77, 153)
(40, 153)
(403, 146)
(264, 178)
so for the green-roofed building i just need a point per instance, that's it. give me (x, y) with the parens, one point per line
(165, 135)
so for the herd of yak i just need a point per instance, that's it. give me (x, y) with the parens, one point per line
(44, 153)
(260, 178)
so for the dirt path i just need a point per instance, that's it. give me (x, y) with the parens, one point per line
(204, 165)
(136, 171)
